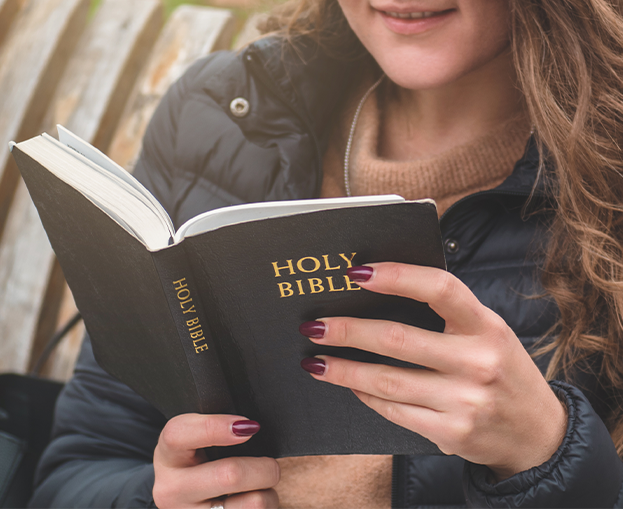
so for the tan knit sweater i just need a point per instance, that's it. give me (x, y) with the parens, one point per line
(446, 178)
(361, 482)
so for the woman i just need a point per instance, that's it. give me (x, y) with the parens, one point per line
(424, 98)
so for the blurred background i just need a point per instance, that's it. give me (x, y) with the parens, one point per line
(241, 9)
(98, 67)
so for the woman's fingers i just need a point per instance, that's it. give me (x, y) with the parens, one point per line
(444, 292)
(183, 479)
(221, 477)
(424, 421)
(267, 499)
(417, 387)
(396, 340)
(184, 434)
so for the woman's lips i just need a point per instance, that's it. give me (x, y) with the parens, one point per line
(408, 23)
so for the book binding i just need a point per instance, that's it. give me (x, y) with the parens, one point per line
(195, 335)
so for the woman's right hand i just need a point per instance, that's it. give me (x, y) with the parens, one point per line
(184, 477)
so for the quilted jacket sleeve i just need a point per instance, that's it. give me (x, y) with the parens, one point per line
(585, 471)
(103, 441)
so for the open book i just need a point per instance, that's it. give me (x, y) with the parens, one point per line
(205, 319)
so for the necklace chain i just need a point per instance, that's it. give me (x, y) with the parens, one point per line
(351, 135)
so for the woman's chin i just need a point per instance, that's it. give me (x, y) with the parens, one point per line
(415, 77)
(433, 69)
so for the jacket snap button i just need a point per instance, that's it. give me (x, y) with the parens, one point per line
(239, 107)
(452, 246)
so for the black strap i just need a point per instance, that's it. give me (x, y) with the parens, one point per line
(53, 343)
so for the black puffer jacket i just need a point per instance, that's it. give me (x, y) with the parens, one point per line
(197, 156)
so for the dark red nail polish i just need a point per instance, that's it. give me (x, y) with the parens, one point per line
(359, 274)
(245, 428)
(313, 329)
(313, 365)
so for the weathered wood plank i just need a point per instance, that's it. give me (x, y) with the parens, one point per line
(21, 293)
(34, 56)
(99, 77)
(8, 10)
(249, 32)
(190, 33)
(88, 101)
(241, 4)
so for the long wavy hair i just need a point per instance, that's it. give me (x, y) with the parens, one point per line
(569, 60)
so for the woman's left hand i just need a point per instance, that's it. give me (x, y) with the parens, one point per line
(481, 398)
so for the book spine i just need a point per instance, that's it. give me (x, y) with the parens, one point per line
(182, 293)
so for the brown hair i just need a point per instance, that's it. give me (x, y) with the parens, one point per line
(569, 60)
(322, 20)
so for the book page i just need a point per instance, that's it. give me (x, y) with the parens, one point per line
(112, 194)
(101, 160)
(214, 219)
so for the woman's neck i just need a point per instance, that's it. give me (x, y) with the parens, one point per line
(417, 124)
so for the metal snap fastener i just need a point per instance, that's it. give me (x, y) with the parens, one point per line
(451, 246)
(239, 107)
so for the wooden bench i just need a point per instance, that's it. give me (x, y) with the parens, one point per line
(102, 78)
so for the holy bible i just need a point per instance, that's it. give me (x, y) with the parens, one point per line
(205, 319)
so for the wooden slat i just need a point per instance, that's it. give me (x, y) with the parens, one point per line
(21, 293)
(249, 32)
(190, 33)
(100, 76)
(8, 10)
(241, 4)
(31, 64)
(88, 101)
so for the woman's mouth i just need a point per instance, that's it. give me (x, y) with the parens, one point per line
(411, 15)
(408, 23)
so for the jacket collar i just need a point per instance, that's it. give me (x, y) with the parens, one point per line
(312, 82)
(534, 176)
(523, 179)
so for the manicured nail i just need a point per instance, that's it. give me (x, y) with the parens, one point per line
(359, 274)
(313, 330)
(245, 428)
(313, 365)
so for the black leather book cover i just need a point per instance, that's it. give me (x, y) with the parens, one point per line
(260, 280)
(118, 290)
(211, 324)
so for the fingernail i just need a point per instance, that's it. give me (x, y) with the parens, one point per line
(313, 365)
(359, 274)
(245, 428)
(313, 329)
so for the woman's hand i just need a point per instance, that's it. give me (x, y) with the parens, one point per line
(185, 479)
(481, 398)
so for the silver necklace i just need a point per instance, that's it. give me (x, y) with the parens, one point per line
(352, 134)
